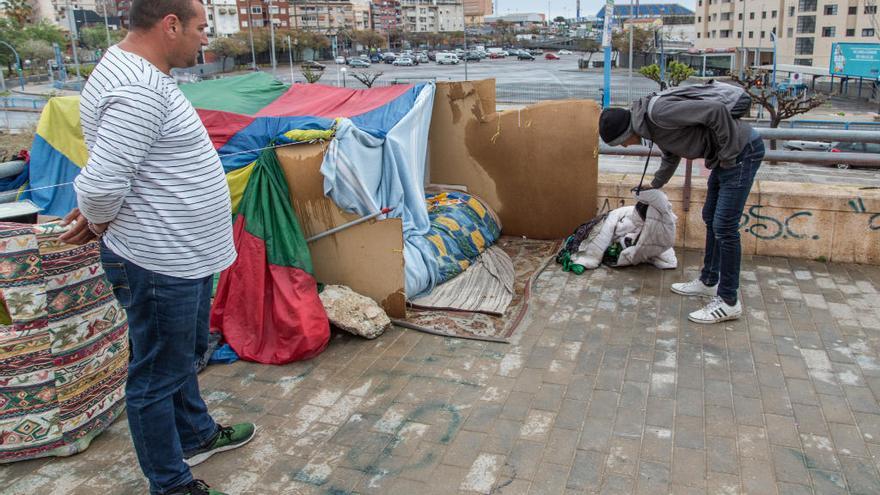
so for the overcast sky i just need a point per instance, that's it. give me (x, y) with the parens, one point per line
(565, 8)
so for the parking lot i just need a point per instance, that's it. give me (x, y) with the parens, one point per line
(517, 81)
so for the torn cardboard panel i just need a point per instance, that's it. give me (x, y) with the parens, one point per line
(537, 167)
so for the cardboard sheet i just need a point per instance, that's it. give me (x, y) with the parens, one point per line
(537, 167)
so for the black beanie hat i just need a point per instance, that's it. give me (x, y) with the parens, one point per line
(613, 124)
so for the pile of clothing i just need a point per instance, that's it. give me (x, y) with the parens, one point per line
(626, 236)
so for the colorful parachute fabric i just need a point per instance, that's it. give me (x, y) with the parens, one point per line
(267, 304)
(462, 227)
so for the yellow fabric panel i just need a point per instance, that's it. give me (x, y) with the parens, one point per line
(477, 207)
(60, 127)
(478, 240)
(438, 241)
(464, 264)
(237, 180)
(306, 135)
(448, 223)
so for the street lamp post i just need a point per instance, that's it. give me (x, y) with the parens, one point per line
(742, 45)
(606, 43)
(290, 57)
(272, 38)
(251, 37)
(74, 35)
(106, 24)
(18, 63)
(464, 30)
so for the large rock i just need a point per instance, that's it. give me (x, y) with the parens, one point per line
(353, 312)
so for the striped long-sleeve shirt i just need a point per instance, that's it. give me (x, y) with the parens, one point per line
(152, 172)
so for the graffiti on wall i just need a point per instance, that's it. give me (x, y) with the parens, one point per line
(769, 227)
(858, 206)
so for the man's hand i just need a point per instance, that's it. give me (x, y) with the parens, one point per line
(645, 187)
(80, 233)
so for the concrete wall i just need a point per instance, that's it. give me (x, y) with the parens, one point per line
(810, 221)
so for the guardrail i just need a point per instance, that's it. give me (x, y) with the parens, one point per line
(807, 157)
(12, 102)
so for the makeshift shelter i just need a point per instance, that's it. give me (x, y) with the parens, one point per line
(532, 171)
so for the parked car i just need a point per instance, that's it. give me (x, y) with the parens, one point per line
(389, 58)
(358, 63)
(405, 61)
(525, 56)
(536, 51)
(447, 58)
(495, 55)
(872, 148)
(422, 58)
(376, 58)
(311, 64)
(432, 56)
(471, 57)
(551, 56)
(796, 145)
(340, 60)
(564, 52)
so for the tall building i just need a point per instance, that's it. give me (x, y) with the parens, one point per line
(431, 16)
(223, 18)
(475, 11)
(386, 14)
(805, 28)
(329, 16)
(258, 13)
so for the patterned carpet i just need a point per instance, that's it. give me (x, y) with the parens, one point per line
(529, 258)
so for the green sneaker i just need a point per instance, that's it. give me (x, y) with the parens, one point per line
(194, 487)
(227, 438)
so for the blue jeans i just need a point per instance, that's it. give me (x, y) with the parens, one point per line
(168, 331)
(725, 199)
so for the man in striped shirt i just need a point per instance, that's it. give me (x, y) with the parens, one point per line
(154, 191)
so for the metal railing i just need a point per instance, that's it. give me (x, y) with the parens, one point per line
(821, 124)
(21, 103)
(807, 157)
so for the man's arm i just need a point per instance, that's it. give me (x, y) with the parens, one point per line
(707, 113)
(668, 166)
(130, 122)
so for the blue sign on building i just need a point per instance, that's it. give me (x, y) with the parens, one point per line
(855, 60)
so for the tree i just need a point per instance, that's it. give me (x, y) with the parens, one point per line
(224, 48)
(20, 11)
(367, 78)
(96, 37)
(44, 31)
(590, 46)
(312, 76)
(559, 19)
(37, 51)
(676, 73)
(781, 104)
(369, 39)
(643, 40)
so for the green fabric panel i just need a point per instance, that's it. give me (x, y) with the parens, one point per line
(269, 215)
(246, 94)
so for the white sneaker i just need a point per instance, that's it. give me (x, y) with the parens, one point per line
(695, 288)
(717, 311)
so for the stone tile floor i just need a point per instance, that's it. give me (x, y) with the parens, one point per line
(606, 389)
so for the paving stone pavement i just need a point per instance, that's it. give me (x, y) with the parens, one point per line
(606, 389)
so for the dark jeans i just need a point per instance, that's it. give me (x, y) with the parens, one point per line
(168, 331)
(725, 199)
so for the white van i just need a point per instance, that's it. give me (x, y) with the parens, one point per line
(447, 58)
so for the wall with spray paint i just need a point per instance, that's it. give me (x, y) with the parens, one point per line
(810, 221)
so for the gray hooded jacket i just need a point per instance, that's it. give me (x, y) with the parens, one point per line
(687, 128)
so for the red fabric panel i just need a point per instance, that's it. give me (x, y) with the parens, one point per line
(223, 125)
(318, 100)
(267, 313)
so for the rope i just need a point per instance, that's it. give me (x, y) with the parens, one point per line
(221, 156)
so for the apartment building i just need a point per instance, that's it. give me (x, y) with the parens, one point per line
(805, 28)
(223, 18)
(257, 13)
(330, 16)
(431, 16)
(475, 11)
(385, 14)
